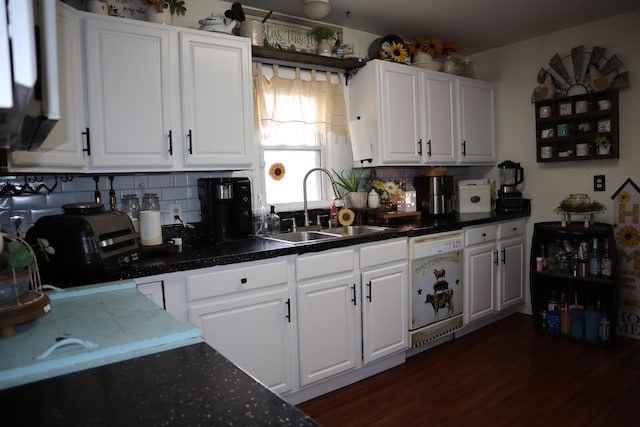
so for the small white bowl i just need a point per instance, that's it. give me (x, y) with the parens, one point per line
(604, 104)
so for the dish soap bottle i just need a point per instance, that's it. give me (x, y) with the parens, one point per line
(273, 222)
(333, 215)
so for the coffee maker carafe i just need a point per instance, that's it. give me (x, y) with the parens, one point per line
(509, 198)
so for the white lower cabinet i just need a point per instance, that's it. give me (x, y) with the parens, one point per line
(384, 310)
(480, 272)
(352, 308)
(511, 250)
(293, 321)
(244, 312)
(328, 314)
(494, 268)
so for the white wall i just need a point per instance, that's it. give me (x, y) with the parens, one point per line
(514, 69)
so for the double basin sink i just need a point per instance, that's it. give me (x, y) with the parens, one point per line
(306, 236)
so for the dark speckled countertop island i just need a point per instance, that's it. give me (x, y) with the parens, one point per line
(187, 386)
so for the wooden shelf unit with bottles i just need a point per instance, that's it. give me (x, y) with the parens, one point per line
(583, 127)
(556, 278)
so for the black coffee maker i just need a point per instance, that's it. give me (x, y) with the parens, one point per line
(225, 207)
(509, 198)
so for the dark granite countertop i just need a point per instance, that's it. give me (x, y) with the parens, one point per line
(208, 254)
(188, 386)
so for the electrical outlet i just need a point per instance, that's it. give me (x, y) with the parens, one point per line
(175, 211)
(598, 183)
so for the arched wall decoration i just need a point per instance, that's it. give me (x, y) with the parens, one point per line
(578, 73)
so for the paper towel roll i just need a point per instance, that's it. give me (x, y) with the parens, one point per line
(360, 140)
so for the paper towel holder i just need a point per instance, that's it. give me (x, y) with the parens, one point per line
(360, 141)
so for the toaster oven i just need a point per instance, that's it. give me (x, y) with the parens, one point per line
(89, 248)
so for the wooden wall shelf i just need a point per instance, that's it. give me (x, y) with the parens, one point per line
(584, 127)
(269, 55)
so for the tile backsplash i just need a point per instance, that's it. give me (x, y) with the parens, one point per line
(20, 207)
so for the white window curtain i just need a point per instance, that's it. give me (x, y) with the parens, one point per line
(297, 113)
(318, 103)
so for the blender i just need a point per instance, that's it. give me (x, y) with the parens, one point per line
(509, 198)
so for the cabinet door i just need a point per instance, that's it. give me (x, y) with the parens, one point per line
(217, 106)
(400, 114)
(327, 327)
(62, 150)
(511, 282)
(476, 106)
(439, 140)
(253, 330)
(131, 78)
(384, 311)
(480, 278)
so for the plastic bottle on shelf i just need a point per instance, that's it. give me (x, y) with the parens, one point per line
(605, 261)
(273, 222)
(594, 259)
(553, 314)
(565, 320)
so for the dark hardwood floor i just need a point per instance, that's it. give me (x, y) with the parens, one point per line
(503, 375)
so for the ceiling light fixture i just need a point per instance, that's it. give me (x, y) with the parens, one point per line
(316, 9)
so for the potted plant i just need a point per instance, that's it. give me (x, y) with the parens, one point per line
(160, 11)
(16, 266)
(323, 35)
(351, 183)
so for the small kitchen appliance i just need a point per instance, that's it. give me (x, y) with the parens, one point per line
(225, 207)
(509, 198)
(90, 245)
(434, 194)
(474, 196)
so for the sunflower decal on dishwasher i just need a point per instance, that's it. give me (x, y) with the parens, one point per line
(277, 171)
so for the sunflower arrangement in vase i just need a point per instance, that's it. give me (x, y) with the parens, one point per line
(426, 50)
(395, 51)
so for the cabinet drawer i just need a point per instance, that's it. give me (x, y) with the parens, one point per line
(317, 265)
(238, 278)
(511, 228)
(475, 235)
(383, 253)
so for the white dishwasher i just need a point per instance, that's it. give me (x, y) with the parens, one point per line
(436, 286)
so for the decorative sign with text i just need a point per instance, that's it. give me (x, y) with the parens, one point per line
(627, 226)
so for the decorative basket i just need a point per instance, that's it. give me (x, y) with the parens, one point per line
(21, 295)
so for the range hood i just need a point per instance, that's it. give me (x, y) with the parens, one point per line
(29, 99)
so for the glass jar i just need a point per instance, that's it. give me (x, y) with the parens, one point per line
(150, 220)
(131, 208)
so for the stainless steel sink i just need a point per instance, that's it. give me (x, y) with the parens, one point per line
(301, 236)
(328, 233)
(355, 230)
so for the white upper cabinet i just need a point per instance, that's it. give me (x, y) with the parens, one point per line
(420, 117)
(386, 96)
(217, 106)
(62, 151)
(439, 118)
(131, 78)
(476, 112)
(144, 97)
